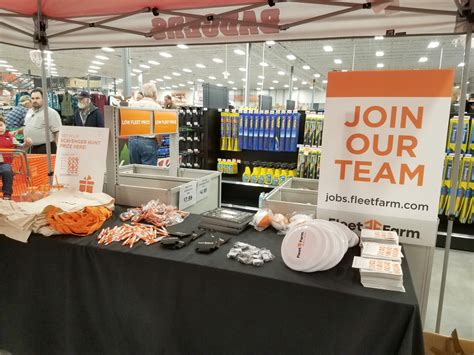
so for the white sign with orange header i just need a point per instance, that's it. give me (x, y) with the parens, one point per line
(383, 150)
(81, 157)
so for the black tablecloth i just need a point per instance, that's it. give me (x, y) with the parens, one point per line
(68, 295)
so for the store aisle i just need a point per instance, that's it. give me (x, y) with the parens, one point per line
(458, 309)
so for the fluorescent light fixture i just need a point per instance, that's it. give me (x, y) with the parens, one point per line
(239, 52)
(137, 70)
(212, 77)
(186, 70)
(423, 60)
(317, 75)
(234, 88)
(3, 62)
(337, 61)
(379, 54)
(259, 89)
(261, 77)
(200, 80)
(93, 67)
(325, 81)
(286, 85)
(220, 85)
(144, 66)
(133, 74)
(92, 71)
(134, 87)
(182, 46)
(281, 72)
(153, 62)
(230, 82)
(217, 60)
(97, 62)
(264, 64)
(159, 79)
(190, 83)
(243, 79)
(295, 88)
(327, 48)
(153, 81)
(176, 73)
(433, 44)
(108, 50)
(378, 38)
(242, 69)
(380, 65)
(102, 57)
(226, 74)
(199, 65)
(174, 86)
(162, 88)
(168, 87)
(461, 64)
(306, 67)
(166, 77)
(304, 83)
(182, 85)
(295, 79)
(275, 81)
(165, 55)
(291, 57)
(270, 43)
(271, 88)
(260, 83)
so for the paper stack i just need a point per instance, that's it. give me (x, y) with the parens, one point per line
(382, 251)
(377, 236)
(380, 274)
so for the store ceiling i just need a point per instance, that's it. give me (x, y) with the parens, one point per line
(398, 53)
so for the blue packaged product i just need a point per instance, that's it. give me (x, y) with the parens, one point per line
(250, 138)
(276, 147)
(256, 121)
(245, 119)
(295, 126)
(289, 126)
(271, 132)
(241, 131)
(283, 122)
(261, 132)
(266, 135)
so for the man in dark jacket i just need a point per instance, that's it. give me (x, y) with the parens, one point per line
(87, 114)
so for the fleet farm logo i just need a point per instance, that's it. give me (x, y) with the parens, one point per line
(376, 225)
(300, 244)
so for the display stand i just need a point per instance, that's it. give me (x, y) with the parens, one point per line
(133, 185)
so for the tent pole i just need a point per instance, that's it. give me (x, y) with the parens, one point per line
(127, 79)
(455, 173)
(247, 75)
(290, 85)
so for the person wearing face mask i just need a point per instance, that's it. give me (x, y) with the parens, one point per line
(87, 114)
(35, 125)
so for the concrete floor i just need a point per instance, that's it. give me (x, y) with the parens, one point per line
(458, 310)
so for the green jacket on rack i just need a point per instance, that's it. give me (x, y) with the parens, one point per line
(66, 105)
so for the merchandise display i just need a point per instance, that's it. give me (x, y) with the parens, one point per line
(230, 130)
(211, 243)
(382, 251)
(453, 128)
(155, 213)
(380, 274)
(378, 236)
(81, 223)
(313, 129)
(268, 173)
(250, 255)
(225, 220)
(180, 240)
(228, 166)
(262, 219)
(309, 159)
(131, 234)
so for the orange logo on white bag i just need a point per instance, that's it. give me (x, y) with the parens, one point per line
(86, 184)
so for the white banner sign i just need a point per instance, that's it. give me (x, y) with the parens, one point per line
(383, 151)
(80, 159)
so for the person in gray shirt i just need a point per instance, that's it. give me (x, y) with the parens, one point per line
(35, 125)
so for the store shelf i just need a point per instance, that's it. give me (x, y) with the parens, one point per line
(236, 181)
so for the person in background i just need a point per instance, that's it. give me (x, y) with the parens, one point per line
(140, 96)
(169, 104)
(16, 118)
(35, 125)
(87, 115)
(143, 149)
(8, 141)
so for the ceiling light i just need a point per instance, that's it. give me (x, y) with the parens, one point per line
(97, 62)
(202, 66)
(3, 62)
(243, 79)
(182, 85)
(133, 74)
(153, 81)
(219, 85)
(153, 62)
(261, 77)
(230, 82)
(461, 64)
(168, 87)
(285, 86)
(174, 86)
(92, 71)
(327, 49)
(380, 65)
(226, 74)
(212, 77)
(200, 80)
(379, 54)
(271, 88)
(107, 49)
(182, 46)
(162, 88)
(317, 75)
(234, 88)
(186, 70)
(304, 83)
(337, 61)
(378, 38)
(137, 70)
(190, 83)
(295, 88)
(102, 57)
(159, 79)
(275, 81)
(259, 83)
(433, 44)
(295, 79)
(239, 51)
(93, 67)
(165, 54)
(270, 43)
(291, 57)
(176, 73)
(134, 87)
(242, 69)
(325, 81)
(281, 72)
(306, 67)
(423, 60)
(264, 64)
(167, 77)
(344, 70)
(144, 66)
(217, 60)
